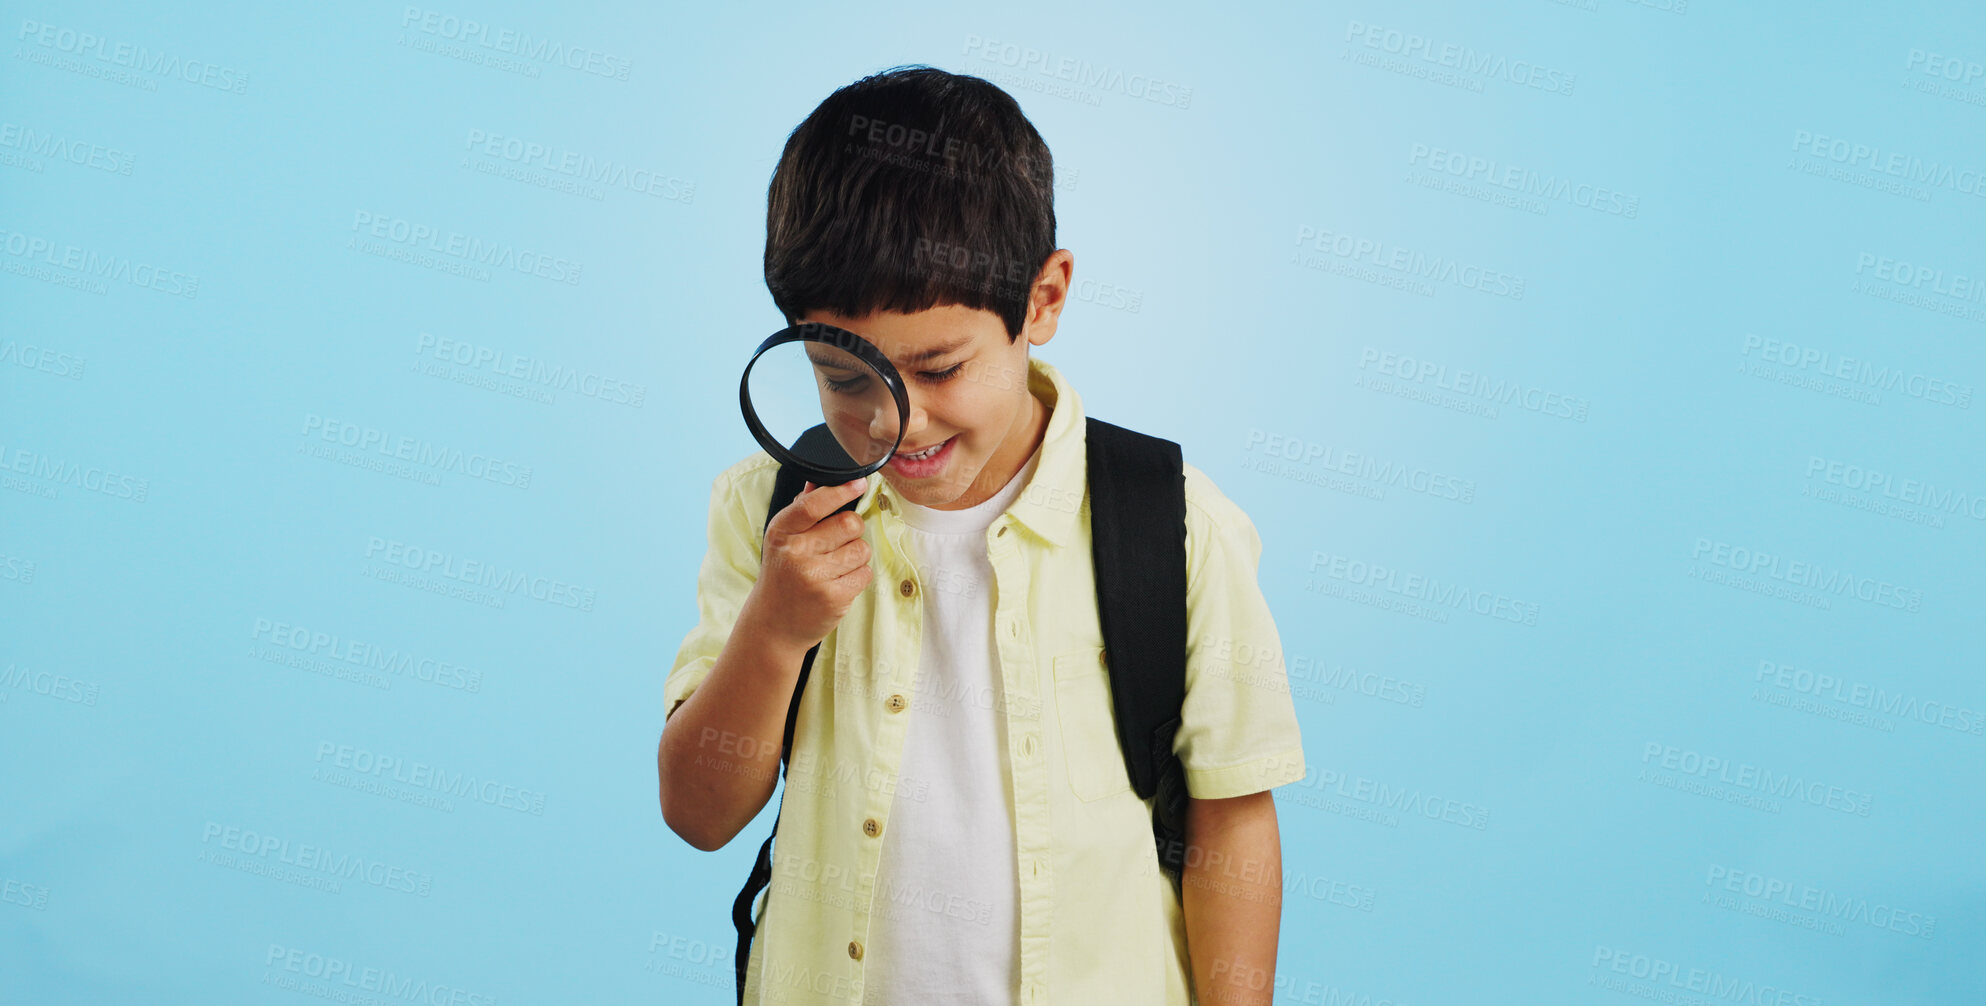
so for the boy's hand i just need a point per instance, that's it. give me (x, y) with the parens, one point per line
(814, 562)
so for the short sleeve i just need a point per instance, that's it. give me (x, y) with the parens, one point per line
(1238, 730)
(730, 568)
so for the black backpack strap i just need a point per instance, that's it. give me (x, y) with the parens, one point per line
(786, 487)
(1137, 492)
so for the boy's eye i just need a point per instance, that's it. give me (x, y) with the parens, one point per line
(946, 374)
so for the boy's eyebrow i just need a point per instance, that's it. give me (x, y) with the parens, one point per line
(926, 354)
(832, 362)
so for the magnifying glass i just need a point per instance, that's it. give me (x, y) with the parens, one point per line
(824, 401)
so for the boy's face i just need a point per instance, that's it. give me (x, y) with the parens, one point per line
(967, 384)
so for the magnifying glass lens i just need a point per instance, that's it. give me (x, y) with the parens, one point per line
(826, 405)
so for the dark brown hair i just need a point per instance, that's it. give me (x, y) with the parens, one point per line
(906, 190)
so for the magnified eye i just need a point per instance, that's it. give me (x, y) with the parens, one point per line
(825, 403)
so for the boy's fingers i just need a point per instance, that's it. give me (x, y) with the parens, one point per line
(843, 559)
(809, 507)
(861, 571)
(832, 536)
(834, 497)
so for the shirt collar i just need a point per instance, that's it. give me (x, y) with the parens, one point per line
(1051, 502)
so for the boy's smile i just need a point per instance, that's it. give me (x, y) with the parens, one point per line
(969, 399)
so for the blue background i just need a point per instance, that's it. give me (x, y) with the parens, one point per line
(188, 313)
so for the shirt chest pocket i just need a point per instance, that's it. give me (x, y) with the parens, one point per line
(1094, 761)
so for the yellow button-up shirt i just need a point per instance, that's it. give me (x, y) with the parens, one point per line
(1100, 922)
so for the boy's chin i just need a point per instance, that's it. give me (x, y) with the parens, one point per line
(934, 493)
(922, 495)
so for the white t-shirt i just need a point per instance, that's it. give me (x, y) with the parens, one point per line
(946, 929)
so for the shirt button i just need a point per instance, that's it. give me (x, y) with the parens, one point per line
(1103, 657)
(870, 827)
(896, 703)
(1027, 746)
(855, 949)
(1003, 530)
(883, 501)
(906, 588)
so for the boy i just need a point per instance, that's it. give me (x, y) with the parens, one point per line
(958, 824)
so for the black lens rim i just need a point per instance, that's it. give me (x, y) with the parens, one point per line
(849, 342)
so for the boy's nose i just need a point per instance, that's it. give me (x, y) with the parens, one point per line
(883, 425)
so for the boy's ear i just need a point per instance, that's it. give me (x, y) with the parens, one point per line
(1048, 296)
